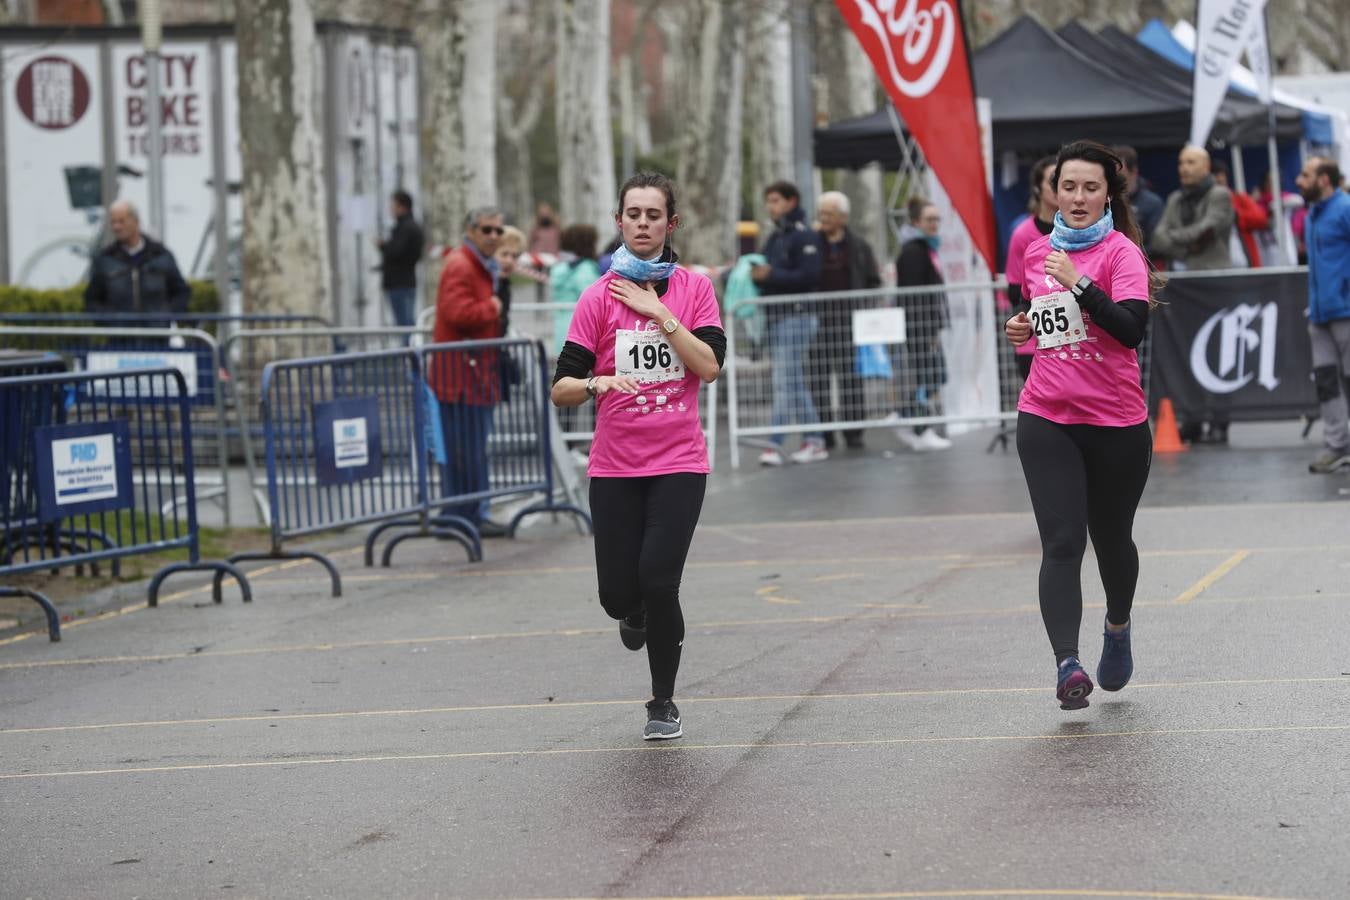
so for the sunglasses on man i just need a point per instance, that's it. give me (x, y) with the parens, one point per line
(492, 229)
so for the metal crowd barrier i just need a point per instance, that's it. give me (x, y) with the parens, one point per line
(352, 440)
(89, 462)
(247, 352)
(864, 364)
(193, 352)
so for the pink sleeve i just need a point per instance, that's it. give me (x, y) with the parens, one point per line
(705, 304)
(1129, 273)
(585, 327)
(1017, 248)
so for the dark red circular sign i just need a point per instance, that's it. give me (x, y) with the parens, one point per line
(53, 92)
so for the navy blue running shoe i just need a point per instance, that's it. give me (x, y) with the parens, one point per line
(1073, 686)
(1117, 663)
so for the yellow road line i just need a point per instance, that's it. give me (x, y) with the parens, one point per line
(984, 892)
(575, 704)
(1213, 576)
(918, 612)
(685, 748)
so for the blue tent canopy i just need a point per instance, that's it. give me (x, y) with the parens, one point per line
(1156, 36)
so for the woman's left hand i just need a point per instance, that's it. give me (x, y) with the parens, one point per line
(639, 298)
(1059, 267)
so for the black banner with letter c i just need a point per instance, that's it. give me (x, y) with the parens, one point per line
(1233, 347)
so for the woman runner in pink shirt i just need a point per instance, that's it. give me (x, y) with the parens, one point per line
(1043, 207)
(642, 339)
(1082, 424)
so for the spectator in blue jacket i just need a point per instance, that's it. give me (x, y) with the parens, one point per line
(793, 268)
(1327, 234)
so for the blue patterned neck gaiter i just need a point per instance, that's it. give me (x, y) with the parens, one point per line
(640, 270)
(1073, 239)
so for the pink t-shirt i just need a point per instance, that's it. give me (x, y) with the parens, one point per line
(1095, 381)
(1021, 238)
(656, 431)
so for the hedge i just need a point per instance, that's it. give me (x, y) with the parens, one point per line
(17, 299)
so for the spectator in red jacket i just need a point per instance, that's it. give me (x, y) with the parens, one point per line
(468, 383)
(1248, 215)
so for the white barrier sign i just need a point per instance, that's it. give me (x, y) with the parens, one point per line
(878, 326)
(122, 360)
(84, 469)
(350, 447)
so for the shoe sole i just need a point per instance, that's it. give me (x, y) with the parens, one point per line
(633, 638)
(663, 737)
(1074, 694)
(1328, 470)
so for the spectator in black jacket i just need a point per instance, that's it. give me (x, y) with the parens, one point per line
(793, 267)
(847, 264)
(134, 274)
(399, 256)
(925, 370)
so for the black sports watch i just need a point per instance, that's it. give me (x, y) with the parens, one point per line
(1081, 285)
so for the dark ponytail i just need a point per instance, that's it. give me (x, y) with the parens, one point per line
(1118, 195)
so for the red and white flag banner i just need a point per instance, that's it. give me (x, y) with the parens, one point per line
(918, 48)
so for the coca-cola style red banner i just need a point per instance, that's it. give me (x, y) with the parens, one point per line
(918, 49)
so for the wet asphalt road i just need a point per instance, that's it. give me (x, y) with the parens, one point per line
(867, 695)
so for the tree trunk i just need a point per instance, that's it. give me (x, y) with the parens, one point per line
(526, 54)
(768, 100)
(285, 247)
(585, 133)
(711, 62)
(851, 90)
(459, 114)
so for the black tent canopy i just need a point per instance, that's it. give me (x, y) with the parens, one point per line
(1045, 90)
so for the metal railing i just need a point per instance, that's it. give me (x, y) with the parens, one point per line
(409, 438)
(193, 352)
(906, 358)
(89, 462)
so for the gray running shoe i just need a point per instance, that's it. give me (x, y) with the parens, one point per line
(1329, 461)
(663, 721)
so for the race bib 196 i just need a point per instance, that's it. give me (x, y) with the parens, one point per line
(645, 356)
(1056, 320)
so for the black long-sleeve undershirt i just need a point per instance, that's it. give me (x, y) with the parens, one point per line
(576, 361)
(1124, 320)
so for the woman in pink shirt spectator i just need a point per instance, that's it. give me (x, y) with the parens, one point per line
(642, 339)
(1038, 224)
(1082, 424)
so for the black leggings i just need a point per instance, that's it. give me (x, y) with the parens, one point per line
(643, 527)
(1084, 479)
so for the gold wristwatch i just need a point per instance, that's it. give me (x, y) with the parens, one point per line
(671, 325)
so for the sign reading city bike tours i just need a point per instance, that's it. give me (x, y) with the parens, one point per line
(347, 440)
(82, 468)
(918, 48)
(645, 355)
(1056, 320)
(1237, 344)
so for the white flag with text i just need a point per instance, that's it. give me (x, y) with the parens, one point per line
(1223, 31)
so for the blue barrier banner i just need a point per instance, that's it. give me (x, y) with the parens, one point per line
(347, 440)
(83, 468)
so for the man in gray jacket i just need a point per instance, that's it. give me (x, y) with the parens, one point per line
(1194, 233)
(1198, 220)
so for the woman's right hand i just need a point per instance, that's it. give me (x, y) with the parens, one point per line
(1018, 329)
(606, 383)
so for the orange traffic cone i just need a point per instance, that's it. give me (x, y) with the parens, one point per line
(1166, 437)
